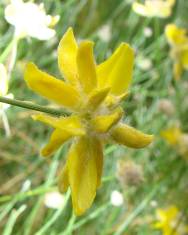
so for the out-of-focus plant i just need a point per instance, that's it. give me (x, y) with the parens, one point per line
(166, 106)
(93, 94)
(178, 139)
(129, 173)
(178, 41)
(154, 8)
(170, 221)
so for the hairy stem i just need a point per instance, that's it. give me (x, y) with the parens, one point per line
(36, 107)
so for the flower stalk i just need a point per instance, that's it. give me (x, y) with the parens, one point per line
(32, 106)
(7, 50)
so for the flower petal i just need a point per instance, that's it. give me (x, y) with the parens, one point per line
(97, 97)
(63, 181)
(175, 35)
(86, 66)
(98, 154)
(51, 88)
(83, 174)
(116, 71)
(172, 135)
(130, 137)
(57, 138)
(177, 70)
(71, 124)
(141, 9)
(3, 80)
(184, 58)
(113, 101)
(67, 51)
(103, 123)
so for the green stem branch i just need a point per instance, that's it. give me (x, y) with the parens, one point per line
(7, 50)
(30, 105)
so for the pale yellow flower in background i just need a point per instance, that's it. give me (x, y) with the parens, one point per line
(154, 8)
(178, 139)
(30, 19)
(178, 41)
(169, 221)
(92, 93)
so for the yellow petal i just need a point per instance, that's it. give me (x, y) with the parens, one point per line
(83, 174)
(97, 97)
(171, 213)
(57, 138)
(71, 124)
(116, 71)
(114, 101)
(184, 58)
(175, 35)
(63, 181)
(103, 123)
(86, 66)
(158, 225)
(130, 137)
(98, 155)
(171, 2)
(67, 51)
(51, 88)
(172, 135)
(161, 215)
(177, 70)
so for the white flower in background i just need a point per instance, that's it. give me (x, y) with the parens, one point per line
(30, 19)
(154, 8)
(104, 33)
(153, 203)
(54, 200)
(4, 87)
(3, 80)
(26, 185)
(144, 63)
(148, 32)
(116, 198)
(4, 92)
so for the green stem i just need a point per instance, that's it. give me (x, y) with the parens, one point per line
(30, 105)
(7, 50)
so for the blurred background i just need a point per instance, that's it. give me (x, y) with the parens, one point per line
(144, 191)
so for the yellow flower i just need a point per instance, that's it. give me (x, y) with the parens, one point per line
(152, 8)
(169, 221)
(178, 41)
(177, 138)
(30, 19)
(92, 93)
